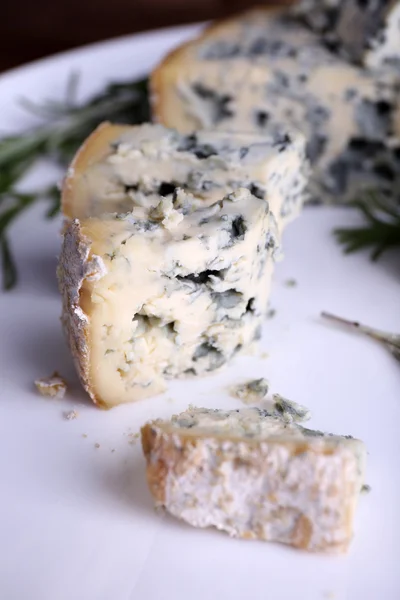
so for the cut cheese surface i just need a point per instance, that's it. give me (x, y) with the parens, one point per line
(254, 476)
(121, 167)
(264, 70)
(159, 281)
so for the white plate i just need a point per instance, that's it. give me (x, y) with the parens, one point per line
(77, 522)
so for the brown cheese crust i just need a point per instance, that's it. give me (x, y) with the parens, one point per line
(74, 195)
(76, 264)
(300, 491)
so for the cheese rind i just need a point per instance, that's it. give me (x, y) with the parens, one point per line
(255, 477)
(77, 264)
(161, 275)
(259, 71)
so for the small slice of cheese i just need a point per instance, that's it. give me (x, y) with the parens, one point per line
(167, 259)
(256, 477)
(264, 69)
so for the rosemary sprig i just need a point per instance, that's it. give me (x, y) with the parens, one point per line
(66, 126)
(390, 340)
(7, 264)
(69, 124)
(382, 228)
(16, 204)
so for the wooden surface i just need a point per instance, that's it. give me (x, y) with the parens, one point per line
(31, 29)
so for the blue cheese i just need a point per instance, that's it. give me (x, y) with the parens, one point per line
(383, 49)
(265, 70)
(366, 33)
(289, 411)
(121, 167)
(173, 283)
(251, 391)
(254, 476)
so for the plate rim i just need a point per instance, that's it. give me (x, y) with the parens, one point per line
(140, 36)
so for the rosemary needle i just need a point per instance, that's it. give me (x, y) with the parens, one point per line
(7, 264)
(390, 340)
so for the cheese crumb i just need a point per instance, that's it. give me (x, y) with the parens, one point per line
(133, 438)
(237, 195)
(290, 411)
(71, 415)
(251, 391)
(291, 283)
(52, 387)
(167, 214)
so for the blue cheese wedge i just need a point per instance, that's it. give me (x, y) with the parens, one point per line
(168, 252)
(366, 32)
(254, 476)
(264, 70)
